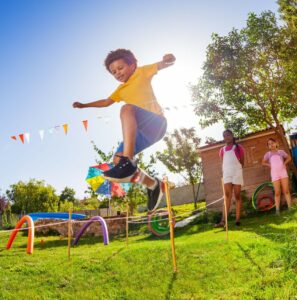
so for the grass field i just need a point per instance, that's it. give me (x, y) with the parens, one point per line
(258, 262)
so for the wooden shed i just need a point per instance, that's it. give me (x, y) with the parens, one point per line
(253, 172)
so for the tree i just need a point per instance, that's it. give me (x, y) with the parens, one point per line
(3, 206)
(66, 195)
(32, 197)
(288, 12)
(249, 81)
(181, 156)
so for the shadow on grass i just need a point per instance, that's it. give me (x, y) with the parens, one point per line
(248, 256)
(264, 226)
(170, 286)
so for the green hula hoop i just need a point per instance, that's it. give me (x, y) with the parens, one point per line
(258, 190)
(155, 223)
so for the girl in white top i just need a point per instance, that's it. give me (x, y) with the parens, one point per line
(232, 156)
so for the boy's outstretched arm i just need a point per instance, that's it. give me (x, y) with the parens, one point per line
(167, 61)
(98, 103)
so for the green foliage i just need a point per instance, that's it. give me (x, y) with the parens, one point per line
(249, 80)
(181, 156)
(32, 196)
(288, 11)
(103, 157)
(67, 195)
(3, 204)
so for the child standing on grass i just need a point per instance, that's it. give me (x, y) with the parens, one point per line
(143, 122)
(277, 161)
(232, 156)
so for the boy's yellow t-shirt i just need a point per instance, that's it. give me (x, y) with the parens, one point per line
(138, 90)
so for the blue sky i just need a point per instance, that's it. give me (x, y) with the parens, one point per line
(52, 54)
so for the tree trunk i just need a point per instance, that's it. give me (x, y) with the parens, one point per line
(194, 196)
(198, 190)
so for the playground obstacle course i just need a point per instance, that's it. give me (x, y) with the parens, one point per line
(29, 219)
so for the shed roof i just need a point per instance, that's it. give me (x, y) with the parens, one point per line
(248, 136)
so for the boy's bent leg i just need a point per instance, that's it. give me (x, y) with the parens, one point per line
(129, 128)
(125, 167)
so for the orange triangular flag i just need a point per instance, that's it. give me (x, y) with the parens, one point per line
(65, 127)
(22, 137)
(85, 122)
(13, 137)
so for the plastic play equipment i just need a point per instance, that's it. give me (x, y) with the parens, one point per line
(31, 218)
(55, 215)
(158, 223)
(263, 202)
(87, 224)
(30, 245)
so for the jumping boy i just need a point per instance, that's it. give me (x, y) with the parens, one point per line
(143, 122)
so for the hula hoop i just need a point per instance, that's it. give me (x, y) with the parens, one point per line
(155, 221)
(264, 207)
(257, 191)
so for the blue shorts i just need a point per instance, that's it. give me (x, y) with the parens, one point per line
(150, 129)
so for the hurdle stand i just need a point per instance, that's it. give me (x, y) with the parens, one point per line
(171, 224)
(225, 209)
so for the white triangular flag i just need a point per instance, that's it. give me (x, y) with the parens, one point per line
(41, 134)
(27, 137)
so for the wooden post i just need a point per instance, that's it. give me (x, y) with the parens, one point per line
(225, 209)
(171, 226)
(127, 223)
(69, 232)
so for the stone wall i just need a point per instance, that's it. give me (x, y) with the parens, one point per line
(115, 226)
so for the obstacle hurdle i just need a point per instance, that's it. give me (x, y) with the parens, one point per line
(171, 223)
(30, 245)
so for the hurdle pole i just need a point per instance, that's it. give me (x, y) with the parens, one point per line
(225, 208)
(127, 223)
(171, 226)
(69, 232)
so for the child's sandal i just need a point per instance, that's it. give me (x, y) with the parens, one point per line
(220, 225)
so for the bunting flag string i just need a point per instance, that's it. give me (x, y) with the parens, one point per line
(21, 136)
(85, 122)
(65, 127)
(26, 136)
(41, 134)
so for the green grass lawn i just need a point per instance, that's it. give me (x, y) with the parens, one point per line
(258, 262)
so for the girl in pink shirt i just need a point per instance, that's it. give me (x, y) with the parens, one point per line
(277, 161)
(232, 156)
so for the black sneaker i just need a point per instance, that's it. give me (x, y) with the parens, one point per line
(122, 172)
(155, 196)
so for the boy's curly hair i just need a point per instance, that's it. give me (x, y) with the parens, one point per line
(124, 54)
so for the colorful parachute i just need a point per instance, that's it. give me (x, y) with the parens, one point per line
(102, 186)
